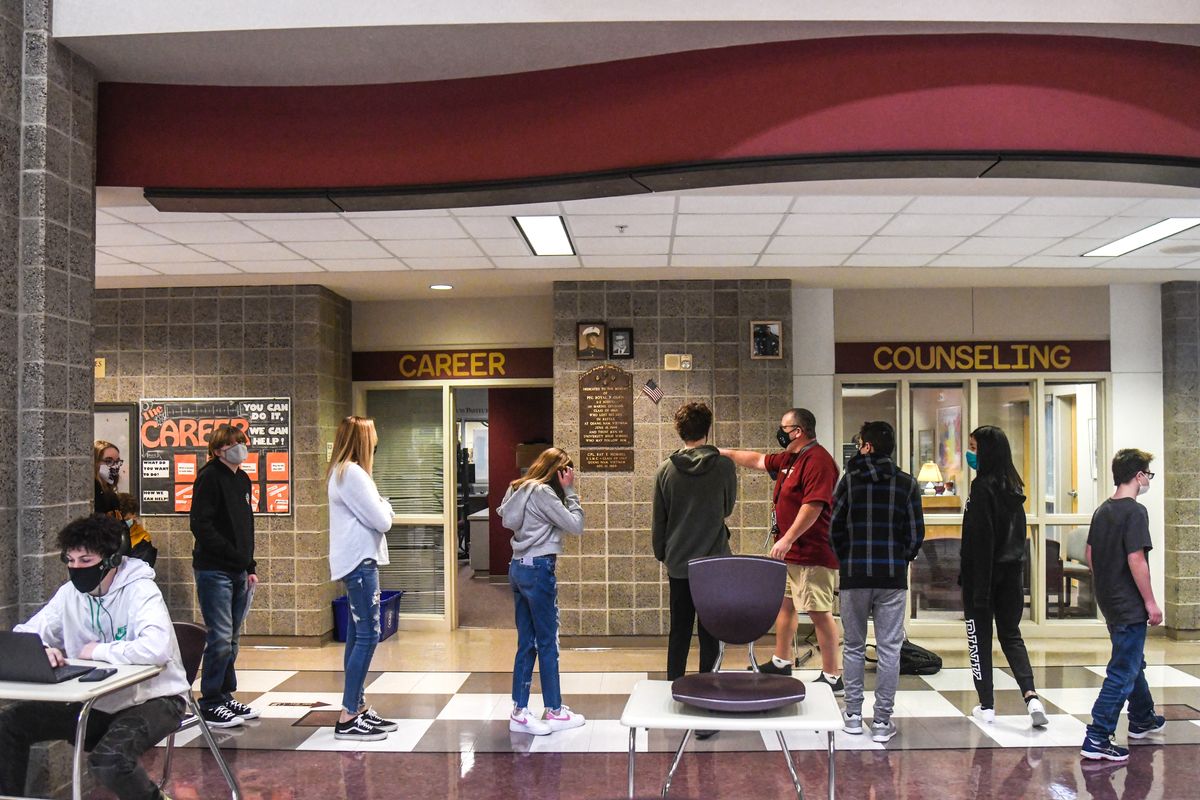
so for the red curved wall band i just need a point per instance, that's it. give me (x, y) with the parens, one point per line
(868, 94)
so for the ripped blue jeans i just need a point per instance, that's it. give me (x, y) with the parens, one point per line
(362, 633)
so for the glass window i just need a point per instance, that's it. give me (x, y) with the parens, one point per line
(865, 402)
(934, 574)
(1069, 593)
(409, 462)
(1074, 478)
(937, 444)
(415, 553)
(1007, 406)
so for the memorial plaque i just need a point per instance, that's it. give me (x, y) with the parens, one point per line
(606, 407)
(606, 461)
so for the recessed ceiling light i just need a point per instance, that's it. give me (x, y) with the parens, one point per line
(545, 235)
(440, 287)
(1157, 231)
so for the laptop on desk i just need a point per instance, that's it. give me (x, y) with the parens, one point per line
(25, 660)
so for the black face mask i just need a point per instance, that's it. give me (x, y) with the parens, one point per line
(86, 579)
(782, 437)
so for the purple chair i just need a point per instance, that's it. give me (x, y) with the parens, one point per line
(737, 599)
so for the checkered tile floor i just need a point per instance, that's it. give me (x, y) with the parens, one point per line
(445, 712)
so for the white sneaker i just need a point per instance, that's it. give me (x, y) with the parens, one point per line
(1037, 712)
(562, 718)
(982, 714)
(521, 721)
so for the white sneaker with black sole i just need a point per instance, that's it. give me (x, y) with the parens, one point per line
(241, 709)
(358, 729)
(220, 717)
(379, 722)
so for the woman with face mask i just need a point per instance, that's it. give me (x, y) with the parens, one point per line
(993, 564)
(222, 520)
(106, 468)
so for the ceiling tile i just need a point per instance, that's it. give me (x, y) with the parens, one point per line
(932, 245)
(407, 213)
(1004, 246)
(634, 225)
(1134, 259)
(121, 235)
(815, 244)
(432, 248)
(975, 261)
(536, 262)
(1067, 247)
(937, 225)
(277, 266)
(412, 228)
(802, 260)
(841, 204)
(363, 249)
(1041, 226)
(627, 204)
(727, 224)
(504, 247)
(1162, 208)
(174, 253)
(491, 227)
(1077, 206)
(218, 232)
(363, 265)
(963, 204)
(449, 263)
(260, 251)
(103, 258)
(888, 261)
(193, 268)
(622, 245)
(103, 218)
(142, 214)
(1118, 227)
(1061, 262)
(315, 230)
(718, 245)
(832, 224)
(300, 215)
(530, 209)
(735, 204)
(713, 261)
(122, 270)
(618, 262)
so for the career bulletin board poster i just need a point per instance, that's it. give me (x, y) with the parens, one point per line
(173, 441)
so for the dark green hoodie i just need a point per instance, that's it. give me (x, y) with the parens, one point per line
(694, 491)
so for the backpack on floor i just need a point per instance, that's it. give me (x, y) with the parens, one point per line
(915, 660)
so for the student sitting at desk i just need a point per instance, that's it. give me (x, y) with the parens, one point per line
(111, 610)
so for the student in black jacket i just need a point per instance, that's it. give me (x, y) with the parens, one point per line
(993, 558)
(222, 520)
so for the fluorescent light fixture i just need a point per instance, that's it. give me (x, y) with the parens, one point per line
(1157, 231)
(440, 287)
(545, 235)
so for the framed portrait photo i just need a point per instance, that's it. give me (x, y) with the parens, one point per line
(590, 341)
(620, 343)
(766, 339)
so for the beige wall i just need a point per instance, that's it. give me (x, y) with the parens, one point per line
(450, 322)
(945, 314)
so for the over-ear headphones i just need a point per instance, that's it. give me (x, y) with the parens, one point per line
(111, 560)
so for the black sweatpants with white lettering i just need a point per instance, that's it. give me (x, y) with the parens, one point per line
(117, 741)
(1008, 603)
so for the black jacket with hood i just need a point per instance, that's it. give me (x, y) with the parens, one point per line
(993, 532)
(222, 520)
(694, 491)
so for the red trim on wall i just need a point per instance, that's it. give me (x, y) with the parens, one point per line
(865, 94)
(514, 416)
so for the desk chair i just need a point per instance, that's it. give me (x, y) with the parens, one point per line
(191, 648)
(737, 599)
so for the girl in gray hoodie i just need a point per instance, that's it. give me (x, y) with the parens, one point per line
(539, 508)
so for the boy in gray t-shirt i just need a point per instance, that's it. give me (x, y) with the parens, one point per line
(1117, 548)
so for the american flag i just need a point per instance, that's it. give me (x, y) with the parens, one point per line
(652, 391)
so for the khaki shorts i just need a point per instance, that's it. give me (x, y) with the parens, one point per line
(811, 588)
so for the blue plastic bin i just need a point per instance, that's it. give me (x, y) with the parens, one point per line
(389, 615)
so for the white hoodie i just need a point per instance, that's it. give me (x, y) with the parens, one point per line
(131, 624)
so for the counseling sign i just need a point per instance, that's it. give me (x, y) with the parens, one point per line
(950, 357)
(173, 440)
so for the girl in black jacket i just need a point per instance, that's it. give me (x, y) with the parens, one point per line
(993, 559)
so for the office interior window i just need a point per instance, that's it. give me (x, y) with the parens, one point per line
(866, 402)
(938, 440)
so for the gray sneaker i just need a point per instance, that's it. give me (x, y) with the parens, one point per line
(883, 731)
(852, 723)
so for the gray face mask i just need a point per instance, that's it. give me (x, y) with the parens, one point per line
(236, 454)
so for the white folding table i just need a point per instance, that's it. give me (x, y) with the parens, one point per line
(73, 691)
(651, 706)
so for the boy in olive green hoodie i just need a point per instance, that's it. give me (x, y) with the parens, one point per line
(694, 491)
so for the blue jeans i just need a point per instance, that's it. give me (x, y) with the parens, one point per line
(535, 595)
(1125, 679)
(223, 596)
(362, 634)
